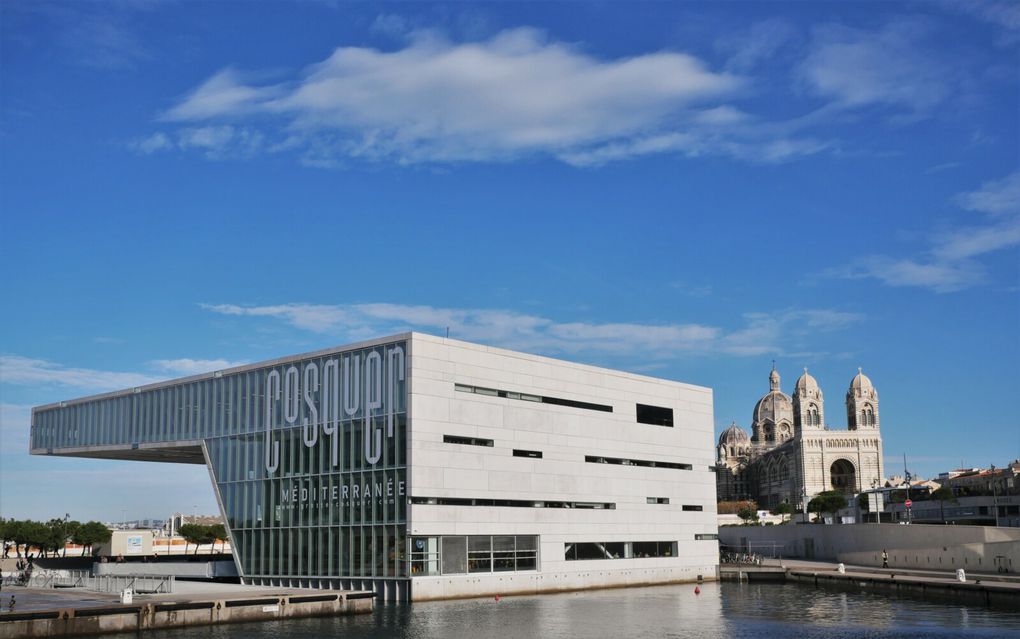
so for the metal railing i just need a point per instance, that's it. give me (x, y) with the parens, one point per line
(142, 584)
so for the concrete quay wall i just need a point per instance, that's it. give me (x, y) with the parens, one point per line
(67, 622)
(931, 547)
(187, 569)
(987, 594)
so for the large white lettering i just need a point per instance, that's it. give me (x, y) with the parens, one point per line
(272, 447)
(352, 382)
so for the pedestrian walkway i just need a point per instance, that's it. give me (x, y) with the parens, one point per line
(999, 579)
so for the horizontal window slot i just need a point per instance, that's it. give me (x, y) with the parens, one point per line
(590, 550)
(706, 537)
(542, 399)
(655, 415)
(535, 454)
(467, 441)
(690, 508)
(596, 459)
(511, 503)
(659, 500)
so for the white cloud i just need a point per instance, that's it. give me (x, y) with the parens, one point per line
(763, 332)
(766, 332)
(15, 427)
(1004, 14)
(516, 94)
(890, 67)
(215, 141)
(15, 369)
(940, 277)
(951, 261)
(759, 42)
(390, 24)
(158, 141)
(997, 197)
(186, 366)
(223, 93)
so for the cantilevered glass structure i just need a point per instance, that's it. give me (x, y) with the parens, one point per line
(308, 457)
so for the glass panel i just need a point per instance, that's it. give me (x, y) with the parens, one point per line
(454, 555)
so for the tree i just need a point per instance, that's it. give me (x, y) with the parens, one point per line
(943, 495)
(830, 501)
(193, 534)
(218, 532)
(91, 533)
(29, 533)
(862, 501)
(61, 531)
(13, 532)
(748, 514)
(783, 509)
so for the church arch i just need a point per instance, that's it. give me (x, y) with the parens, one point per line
(843, 476)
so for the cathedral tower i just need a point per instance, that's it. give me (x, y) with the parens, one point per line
(808, 404)
(772, 423)
(861, 403)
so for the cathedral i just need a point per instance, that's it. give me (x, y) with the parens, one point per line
(792, 455)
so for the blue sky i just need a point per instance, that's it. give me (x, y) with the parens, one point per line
(680, 189)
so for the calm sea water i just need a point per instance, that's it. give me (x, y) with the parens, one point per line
(720, 611)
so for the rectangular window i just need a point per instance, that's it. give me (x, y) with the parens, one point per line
(473, 554)
(559, 401)
(655, 415)
(596, 459)
(660, 500)
(690, 508)
(706, 537)
(587, 551)
(467, 441)
(454, 557)
(510, 503)
(536, 454)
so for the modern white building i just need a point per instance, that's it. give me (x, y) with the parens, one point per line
(429, 468)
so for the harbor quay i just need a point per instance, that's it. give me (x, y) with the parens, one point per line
(985, 549)
(56, 613)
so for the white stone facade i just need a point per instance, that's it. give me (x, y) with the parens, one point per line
(565, 436)
(793, 455)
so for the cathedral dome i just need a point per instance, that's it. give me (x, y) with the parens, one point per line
(806, 384)
(861, 386)
(774, 407)
(734, 435)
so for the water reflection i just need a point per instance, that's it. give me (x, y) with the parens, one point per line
(720, 611)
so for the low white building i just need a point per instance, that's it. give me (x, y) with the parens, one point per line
(429, 468)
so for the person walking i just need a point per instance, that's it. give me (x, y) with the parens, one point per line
(885, 558)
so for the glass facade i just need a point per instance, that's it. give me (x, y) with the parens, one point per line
(458, 554)
(309, 456)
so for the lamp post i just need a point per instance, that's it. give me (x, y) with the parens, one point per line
(906, 480)
(874, 486)
(995, 497)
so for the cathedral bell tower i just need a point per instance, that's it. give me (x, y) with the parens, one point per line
(808, 404)
(861, 403)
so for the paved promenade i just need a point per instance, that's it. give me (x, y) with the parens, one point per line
(33, 599)
(932, 576)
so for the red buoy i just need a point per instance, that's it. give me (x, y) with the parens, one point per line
(497, 597)
(697, 590)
